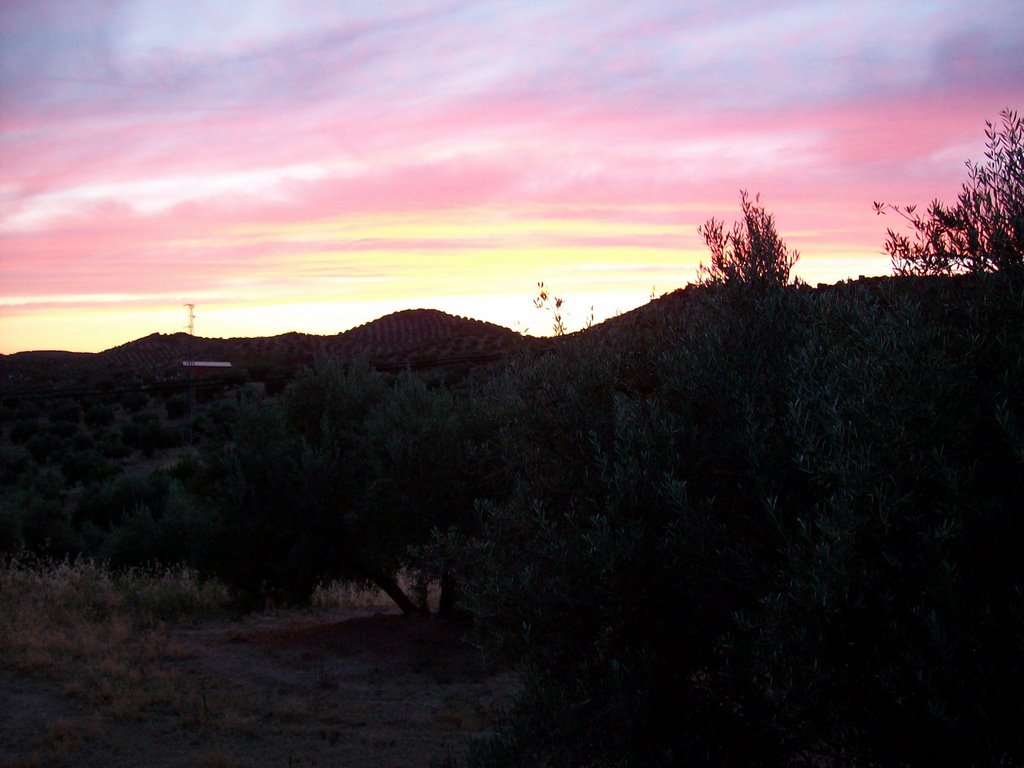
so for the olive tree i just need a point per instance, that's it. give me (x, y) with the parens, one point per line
(752, 254)
(984, 230)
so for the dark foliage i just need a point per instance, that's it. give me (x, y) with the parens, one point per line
(31, 515)
(781, 528)
(339, 480)
(984, 230)
(751, 255)
(134, 401)
(99, 415)
(44, 446)
(145, 433)
(117, 499)
(65, 410)
(22, 430)
(63, 429)
(85, 466)
(175, 406)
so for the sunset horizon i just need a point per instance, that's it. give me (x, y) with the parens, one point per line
(309, 167)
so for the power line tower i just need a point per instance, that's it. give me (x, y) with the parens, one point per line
(190, 372)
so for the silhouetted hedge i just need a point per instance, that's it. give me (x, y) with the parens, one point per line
(771, 528)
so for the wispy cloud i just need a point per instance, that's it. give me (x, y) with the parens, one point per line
(152, 149)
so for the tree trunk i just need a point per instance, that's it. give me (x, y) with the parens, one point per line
(449, 594)
(390, 586)
(446, 602)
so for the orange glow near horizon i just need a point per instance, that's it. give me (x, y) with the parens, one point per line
(479, 264)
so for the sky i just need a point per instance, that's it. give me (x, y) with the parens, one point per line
(311, 165)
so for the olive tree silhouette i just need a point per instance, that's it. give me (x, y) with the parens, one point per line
(752, 254)
(984, 230)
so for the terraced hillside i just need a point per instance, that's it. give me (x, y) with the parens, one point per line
(423, 338)
(419, 338)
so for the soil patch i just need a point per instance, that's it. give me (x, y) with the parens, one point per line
(346, 687)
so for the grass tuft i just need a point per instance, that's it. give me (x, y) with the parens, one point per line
(101, 635)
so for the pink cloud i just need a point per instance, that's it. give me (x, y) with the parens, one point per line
(138, 149)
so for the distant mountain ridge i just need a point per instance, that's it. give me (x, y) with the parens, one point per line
(414, 337)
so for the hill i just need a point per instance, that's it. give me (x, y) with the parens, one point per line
(417, 338)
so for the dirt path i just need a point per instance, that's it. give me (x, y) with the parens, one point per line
(291, 688)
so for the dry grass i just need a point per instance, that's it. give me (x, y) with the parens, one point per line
(100, 638)
(147, 668)
(362, 596)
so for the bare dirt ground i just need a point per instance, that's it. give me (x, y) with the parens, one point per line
(339, 687)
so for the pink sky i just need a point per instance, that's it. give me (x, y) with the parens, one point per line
(303, 165)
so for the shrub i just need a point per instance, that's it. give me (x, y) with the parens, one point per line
(12, 538)
(27, 409)
(145, 433)
(99, 415)
(136, 520)
(22, 430)
(63, 429)
(796, 542)
(13, 461)
(86, 466)
(65, 410)
(113, 448)
(984, 230)
(34, 516)
(180, 534)
(117, 498)
(81, 442)
(134, 401)
(752, 254)
(44, 446)
(175, 406)
(214, 423)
